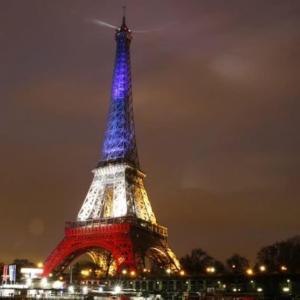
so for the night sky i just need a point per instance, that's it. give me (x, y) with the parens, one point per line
(216, 98)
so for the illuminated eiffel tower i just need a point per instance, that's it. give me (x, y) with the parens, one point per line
(116, 215)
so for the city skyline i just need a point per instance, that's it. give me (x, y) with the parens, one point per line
(214, 94)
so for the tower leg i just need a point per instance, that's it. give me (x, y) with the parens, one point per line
(114, 238)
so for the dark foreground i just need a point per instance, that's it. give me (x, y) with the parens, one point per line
(229, 287)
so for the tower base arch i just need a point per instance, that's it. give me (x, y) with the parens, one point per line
(129, 240)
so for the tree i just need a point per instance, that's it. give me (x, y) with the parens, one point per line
(198, 261)
(237, 263)
(281, 255)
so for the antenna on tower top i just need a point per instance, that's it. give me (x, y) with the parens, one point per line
(124, 15)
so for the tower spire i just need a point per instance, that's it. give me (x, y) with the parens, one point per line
(123, 25)
(119, 142)
(124, 16)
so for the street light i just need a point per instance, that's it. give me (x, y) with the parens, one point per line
(286, 289)
(283, 268)
(85, 272)
(117, 289)
(57, 284)
(211, 270)
(249, 272)
(262, 268)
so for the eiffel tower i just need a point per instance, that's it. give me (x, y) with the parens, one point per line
(116, 215)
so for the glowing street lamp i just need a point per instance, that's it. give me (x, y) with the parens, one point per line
(132, 273)
(57, 284)
(262, 268)
(181, 272)
(211, 270)
(117, 289)
(40, 265)
(283, 268)
(249, 272)
(124, 271)
(85, 273)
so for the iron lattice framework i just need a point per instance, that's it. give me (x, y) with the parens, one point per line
(116, 214)
(120, 142)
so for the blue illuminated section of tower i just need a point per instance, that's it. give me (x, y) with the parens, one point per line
(119, 142)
